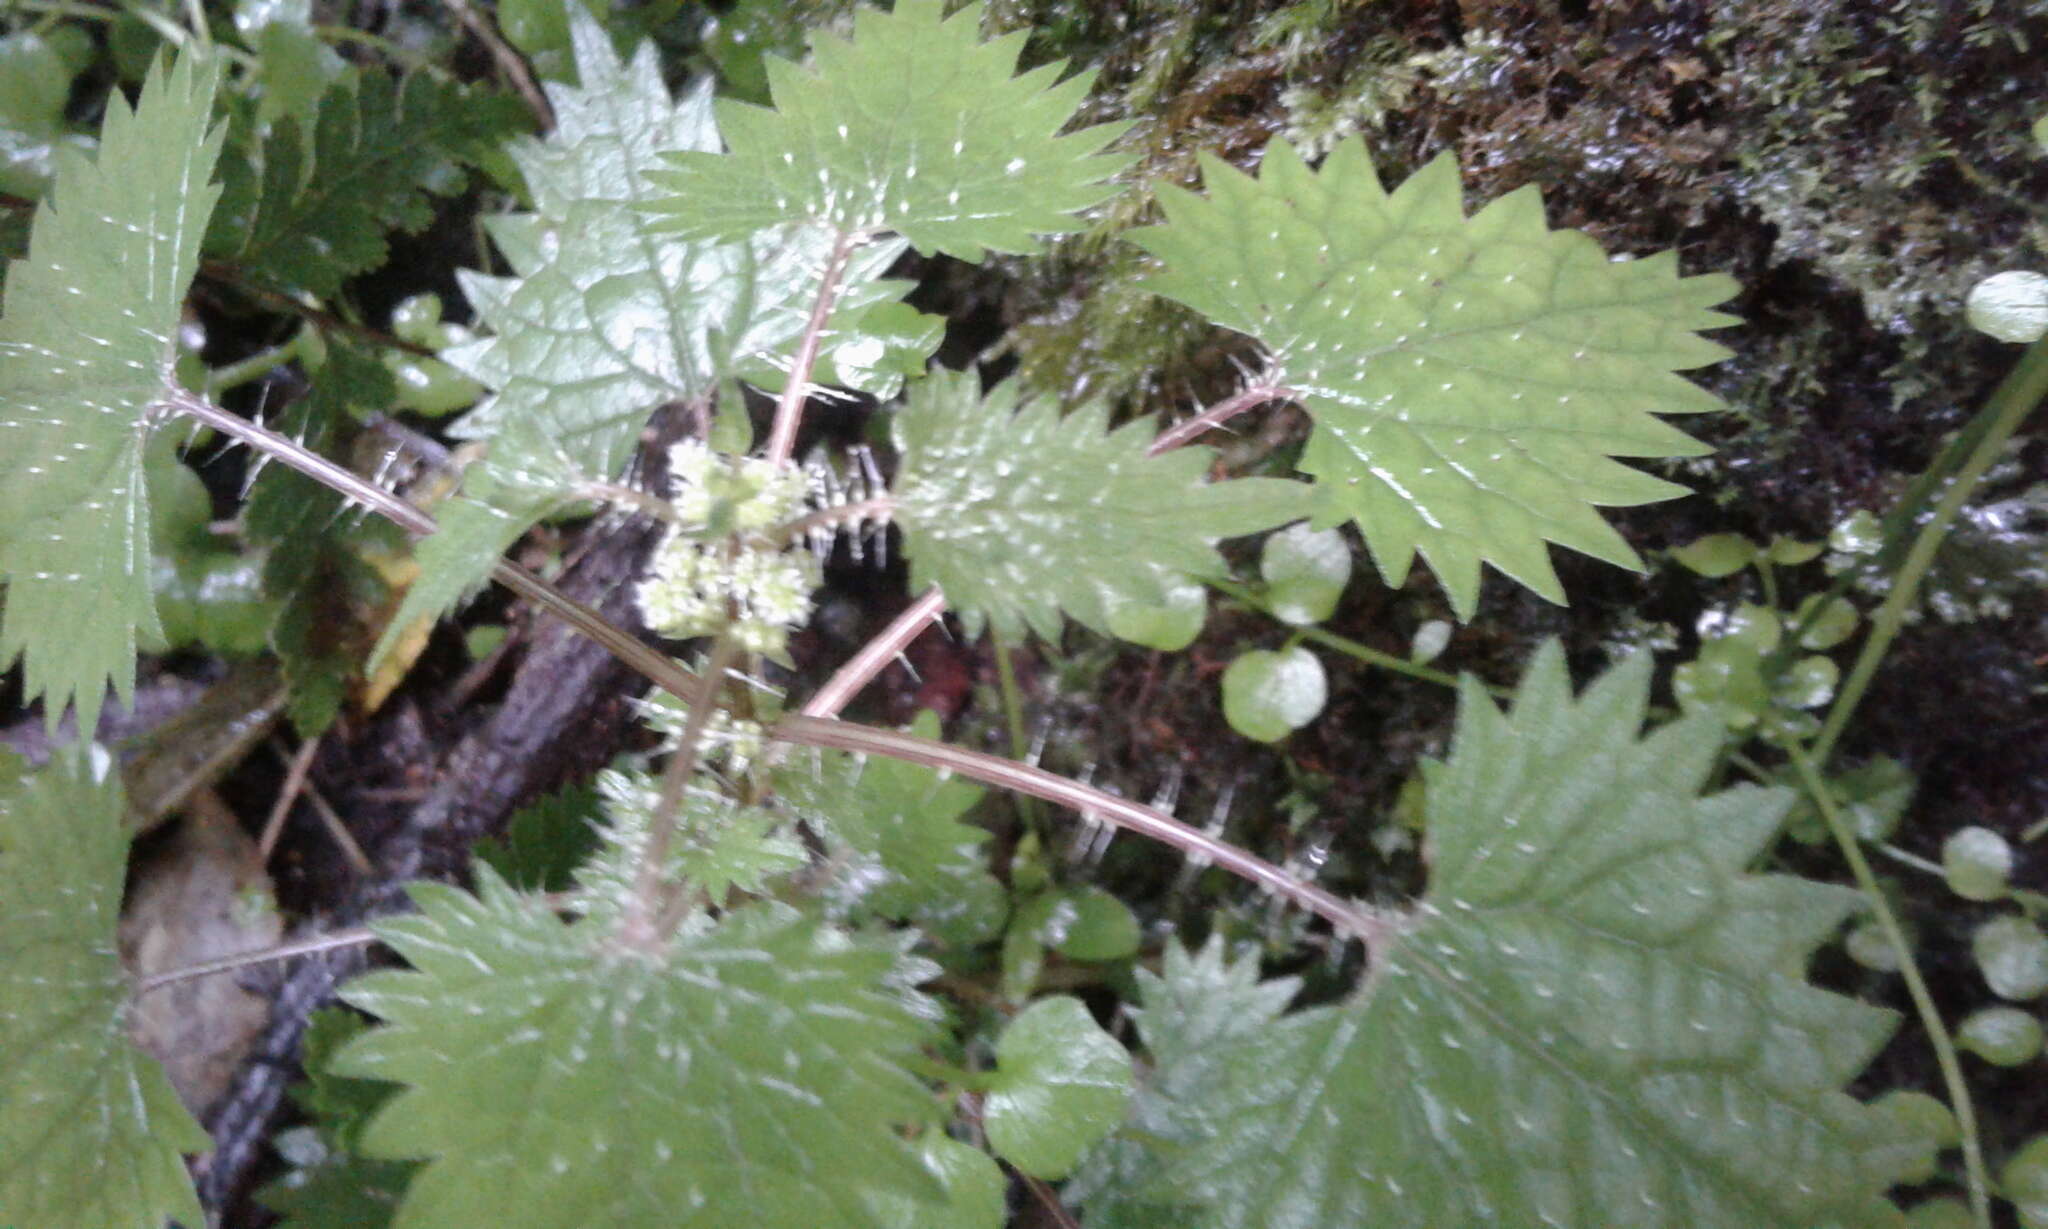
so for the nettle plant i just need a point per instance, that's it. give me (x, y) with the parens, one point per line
(1595, 1014)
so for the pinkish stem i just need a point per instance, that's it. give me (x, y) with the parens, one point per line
(1224, 410)
(875, 655)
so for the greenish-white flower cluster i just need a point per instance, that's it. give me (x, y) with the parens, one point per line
(701, 581)
(718, 844)
(726, 741)
(727, 494)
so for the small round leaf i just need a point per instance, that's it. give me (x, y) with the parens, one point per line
(431, 387)
(2013, 954)
(417, 319)
(1430, 641)
(2011, 306)
(1833, 621)
(1727, 678)
(2001, 1036)
(1750, 624)
(1305, 571)
(1717, 554)
(1859, 533)
(2024, 1180)
(480, 642)
(1809, 683)
(1869, 946)
(1060, 1085)
(1977, 862)
(1082, 924)
(1269, 695)
(1791, 552)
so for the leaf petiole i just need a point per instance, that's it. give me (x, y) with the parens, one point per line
(1916, 986)
(789, 408)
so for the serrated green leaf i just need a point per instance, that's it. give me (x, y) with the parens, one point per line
(302, 213)
(1060, 1085)
(1194, 1003)
(976, 1190)
(745, 1074)
(718, 845)
(338, 1105)
(889, 343)
(914, 126)
(87, 340)
(1925, 1120)
(1593, 1017)
(1470, 379)
(316, 562)
(340, 1192)
(896, 828)
(1206, 998)
(1021, 514)
(604, 320)
(91, 1131)
(545, 841)
(329, 1186)
(1169, 626)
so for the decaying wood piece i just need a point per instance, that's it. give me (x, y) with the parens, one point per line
(417, 789)
(201, 895)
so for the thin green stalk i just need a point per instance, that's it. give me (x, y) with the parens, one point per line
(1350, 648)
(54, 10)
(1923, 1002)
(1013, 717)
(405, 58)
(2008, 407)
(647, 923)
(254, 367)
(1906, 857)
(241, 960)
(1376, 929)
(224, 274)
